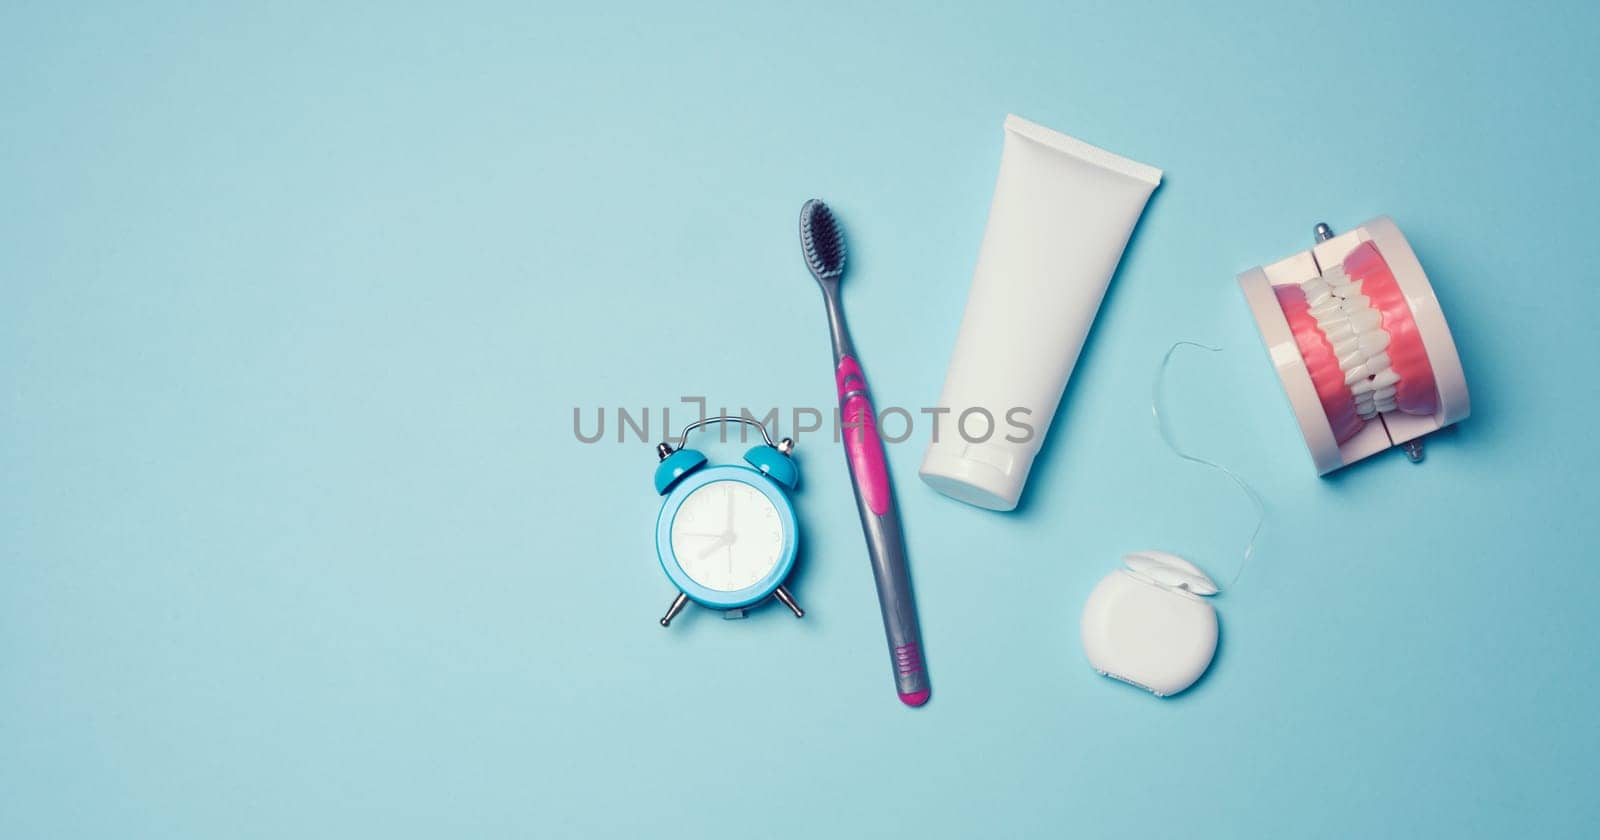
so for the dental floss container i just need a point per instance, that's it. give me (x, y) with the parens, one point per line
(1150, 625)
(1360, 343)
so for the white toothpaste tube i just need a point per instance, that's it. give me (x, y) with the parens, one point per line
(1062, 213)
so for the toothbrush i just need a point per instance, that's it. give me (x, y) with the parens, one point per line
(822, 242)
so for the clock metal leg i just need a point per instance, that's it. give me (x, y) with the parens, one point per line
(788, 601)
(677, 607)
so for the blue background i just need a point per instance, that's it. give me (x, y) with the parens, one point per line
(298, 541)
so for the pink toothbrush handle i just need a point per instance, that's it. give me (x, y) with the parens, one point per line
(880, 520)
(869, 468)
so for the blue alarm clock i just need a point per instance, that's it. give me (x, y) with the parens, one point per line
(726, 535)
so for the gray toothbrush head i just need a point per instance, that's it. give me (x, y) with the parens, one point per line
(821, 240)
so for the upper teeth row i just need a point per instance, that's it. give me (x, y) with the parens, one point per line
(1355, 329)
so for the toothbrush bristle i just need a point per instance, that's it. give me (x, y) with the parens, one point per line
(821, 240)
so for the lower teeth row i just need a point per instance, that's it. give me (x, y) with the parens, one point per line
(1355, 329)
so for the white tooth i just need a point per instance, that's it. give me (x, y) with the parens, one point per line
(1362, 389)
(1320, 297)
(1364, 400)
(1383, 394)
(1330, 306)
(1334, 274)
(1385, 379)
(1378, 364)
(1353, 361)
(1337, 331)
(1367, 413)
(1384, 407)
(1313, 286)
(1355, 375)
(1374, 340)
(1365, 320)
(1345, 290)
(1346, 346)
(1357, 303)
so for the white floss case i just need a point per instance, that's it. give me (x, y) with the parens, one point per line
(1150, 625)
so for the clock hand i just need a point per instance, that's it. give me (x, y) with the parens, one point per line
(724, 539)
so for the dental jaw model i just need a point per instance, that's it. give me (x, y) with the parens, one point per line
(1360, 344)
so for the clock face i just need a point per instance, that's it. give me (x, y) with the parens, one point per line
(727, 535)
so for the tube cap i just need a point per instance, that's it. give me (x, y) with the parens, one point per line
(984, 475)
